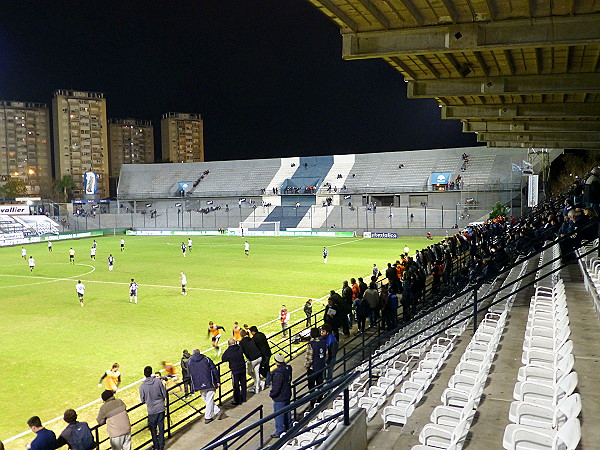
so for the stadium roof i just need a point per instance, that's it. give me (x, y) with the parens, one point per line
(519, 73)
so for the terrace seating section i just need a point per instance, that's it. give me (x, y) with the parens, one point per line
(544, 413)
(403, 376)
(225, 178)
(377, 172)
(450, 421)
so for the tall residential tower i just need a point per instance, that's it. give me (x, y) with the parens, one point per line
(182, 138)
(130, 141)
(81, 138)
(25, 146)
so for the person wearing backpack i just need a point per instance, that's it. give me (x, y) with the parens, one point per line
(77, 435)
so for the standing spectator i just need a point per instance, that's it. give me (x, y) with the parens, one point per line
(345, 308)
(591, 190)
(45, 439)
(281, 393)
(372, 298)
(113, 413)
(375, 271)
(332, 348)
(235, 358)
(308, 311)
(185, 373)
(391, 309)
(362, 287)
(153, 393)
(76, 435)
(361, 306)
(315, 362)
(332, 315)
(391, 274)
(262, 343)
(205, 378)
(284, 318)
(113, 378)
(253, 357)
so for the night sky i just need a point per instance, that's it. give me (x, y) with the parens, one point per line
(267, 76)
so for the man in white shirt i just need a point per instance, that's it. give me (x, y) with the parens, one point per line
(80, 288)
(31, 263)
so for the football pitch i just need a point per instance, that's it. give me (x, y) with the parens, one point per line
(53, 351)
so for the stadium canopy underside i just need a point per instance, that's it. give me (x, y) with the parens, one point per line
(519, 73)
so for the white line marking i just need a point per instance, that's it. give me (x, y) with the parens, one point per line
(51, 279)
(344, 243)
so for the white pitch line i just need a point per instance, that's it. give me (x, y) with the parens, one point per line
(150, 285)
(51, 279)
(344, 243)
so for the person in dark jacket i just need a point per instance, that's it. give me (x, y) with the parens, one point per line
(205, 378)
(235, 358)
(281, 393)
(332, 316)
(153, 394)
(185, 373)
(265, 350)
(253, 358)
(332, 347)
(315, 362)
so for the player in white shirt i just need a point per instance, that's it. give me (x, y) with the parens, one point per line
(190, 244)
(122, 244)
(50, 246)
(183, 284)
(80, 288)
(93, 253)
(23, 253)
(31, 263)
(247, 249)
(111, 262)
(133, 288)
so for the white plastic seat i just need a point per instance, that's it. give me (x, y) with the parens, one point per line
(538, 416)
(441, 436)
(449, 415)
(524, 437)
(400, 410)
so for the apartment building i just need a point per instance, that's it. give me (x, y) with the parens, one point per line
(81, 138)
(130, 141)
(25, 145)
(182, 137)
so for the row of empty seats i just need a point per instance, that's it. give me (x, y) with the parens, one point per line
(451, 421)
(544, 413)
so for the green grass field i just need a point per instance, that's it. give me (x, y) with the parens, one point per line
(53, 352)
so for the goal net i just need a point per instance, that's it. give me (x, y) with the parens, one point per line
(270, 227)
